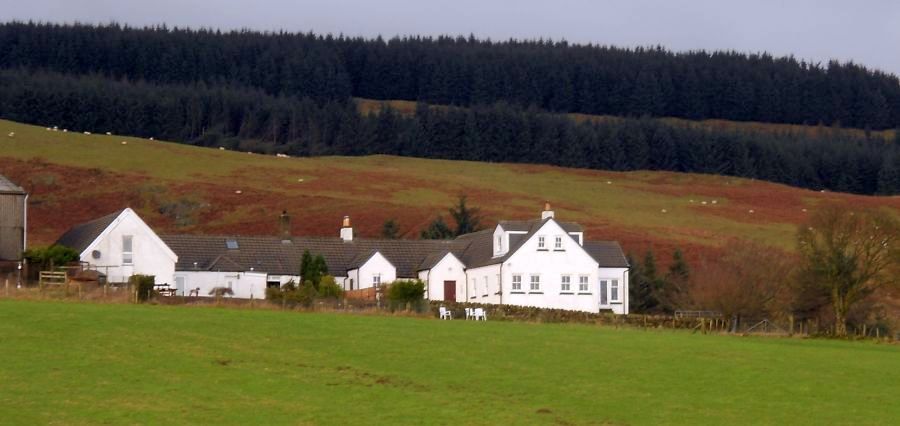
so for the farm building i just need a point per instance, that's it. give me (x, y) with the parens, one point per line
(120, 245)
(542, 262)
(13, 221)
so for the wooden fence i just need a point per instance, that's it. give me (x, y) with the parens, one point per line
(362, 294)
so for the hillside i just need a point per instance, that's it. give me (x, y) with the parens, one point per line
(83, 363)
(75, 177)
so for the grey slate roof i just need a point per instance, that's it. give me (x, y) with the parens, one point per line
(277, 257)
(527, 225)
(7, 187)
(607, 253)
(272, 255)
(79, 237)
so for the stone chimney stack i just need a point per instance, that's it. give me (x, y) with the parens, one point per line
(284, 226)
(346, 230)
(547, 213)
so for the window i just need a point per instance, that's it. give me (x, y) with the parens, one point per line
(541, 245)
(583, 283)
(499, 243)
(376, 280)
(351, 283)
(535, 283)
(557, 244)
(566, 283)
(614, 291)
(517, 282)
(231, 244)
(604, 298)
(474, 288)
(127, 253)
(485, 287)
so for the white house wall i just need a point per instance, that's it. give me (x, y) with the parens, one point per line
(550, 265)
(244, 285)
(448, 269)
(376, 265)
(482, 286)
(150, 256)
(621, 274)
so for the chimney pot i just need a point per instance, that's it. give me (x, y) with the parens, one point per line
(284, 226)
(547, 213)
(346, 230)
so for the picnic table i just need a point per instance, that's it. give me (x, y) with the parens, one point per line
(165, 290)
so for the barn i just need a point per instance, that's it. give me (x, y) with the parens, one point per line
(13, 222)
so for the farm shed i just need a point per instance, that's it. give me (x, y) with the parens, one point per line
(13, 220)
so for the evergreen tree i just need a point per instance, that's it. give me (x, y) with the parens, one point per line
(437, 230)
(390, 230)
(467, 218)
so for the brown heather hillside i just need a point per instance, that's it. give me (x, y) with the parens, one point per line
(178, 188)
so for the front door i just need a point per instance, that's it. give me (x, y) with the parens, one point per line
(450, 291)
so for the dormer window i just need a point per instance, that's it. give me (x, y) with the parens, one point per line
(542, 245)
(557, 243)
(499, 244)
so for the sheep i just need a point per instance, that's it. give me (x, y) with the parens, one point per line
(87, 133)
(663, 210)
(12, 134)
(108, 133)
(124, 142)
(713, 201)
(221, 148)
(750, 211)
(238, 192)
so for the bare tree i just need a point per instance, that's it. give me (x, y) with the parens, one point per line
(849, 254)
(746, 281)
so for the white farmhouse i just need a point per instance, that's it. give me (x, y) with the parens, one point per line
(120, 245)
(542, 262)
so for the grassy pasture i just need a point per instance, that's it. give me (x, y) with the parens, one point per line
(76, 363)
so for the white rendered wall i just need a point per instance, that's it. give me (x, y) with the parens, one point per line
(245, 285)
(448, 269)
(150, 256)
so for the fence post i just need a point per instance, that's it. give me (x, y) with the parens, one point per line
(7, 287)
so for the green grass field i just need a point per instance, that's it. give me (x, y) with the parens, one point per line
(70, 363)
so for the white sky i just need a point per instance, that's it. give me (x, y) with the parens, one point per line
(865, 31)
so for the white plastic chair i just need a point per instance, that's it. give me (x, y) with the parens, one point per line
(468, 313)
(445, 314)
(479, 314)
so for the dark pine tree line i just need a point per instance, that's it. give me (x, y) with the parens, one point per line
(251, 120)
(552, 76)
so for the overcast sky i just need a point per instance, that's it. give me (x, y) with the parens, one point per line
(865, 31)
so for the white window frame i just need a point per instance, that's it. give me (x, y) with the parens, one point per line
(542, 243)
(557, 243)
(583, 283)
(517, 282)
(128, 255)
(534, 282)
(565, 283)
(485, 293)
(614, 296)
(376, 280)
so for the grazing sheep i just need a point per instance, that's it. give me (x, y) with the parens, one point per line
(663, 210)
(703, 202)
(750, 211)
(87, 133)
(124, 142)
(12, 134)
(713, 201)
(221, 148)
(238, 191)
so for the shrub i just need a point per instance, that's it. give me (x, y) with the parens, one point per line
(221, 291)
(405, 293)
(52, 256)
(143, 286)
(328, 288)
